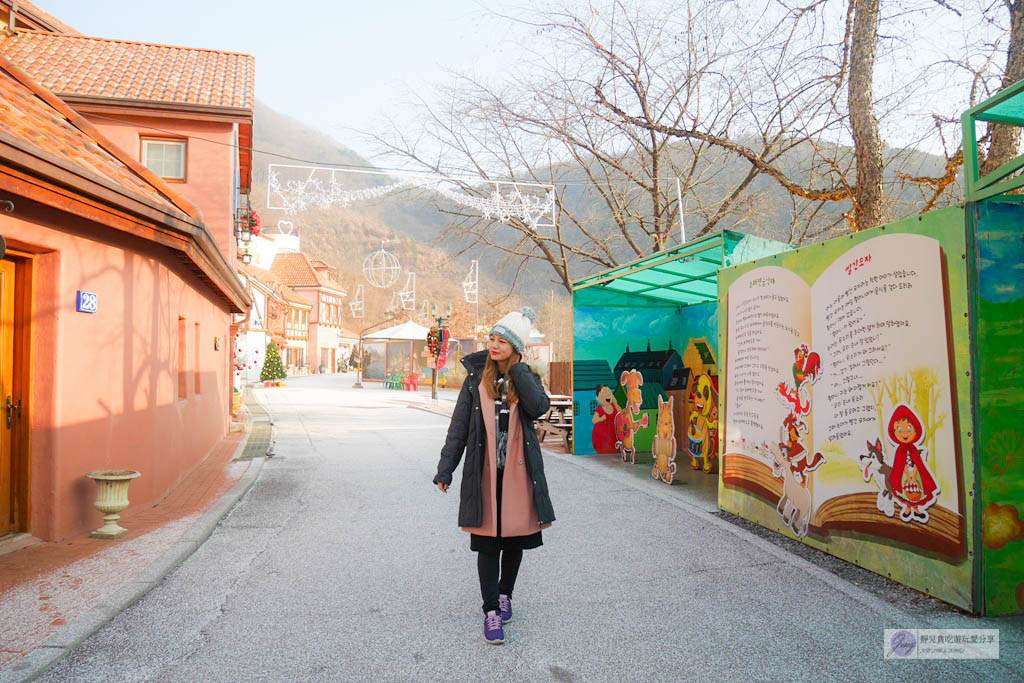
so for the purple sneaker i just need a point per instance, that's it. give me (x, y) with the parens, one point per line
(505, 608)
(493, 633)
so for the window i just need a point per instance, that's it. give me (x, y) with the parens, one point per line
(182, 359)
(576, 408)
(165, 157)
(593, 407)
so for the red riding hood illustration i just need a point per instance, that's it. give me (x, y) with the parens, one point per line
(913, 486)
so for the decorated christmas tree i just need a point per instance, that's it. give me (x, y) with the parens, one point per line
(272, 368)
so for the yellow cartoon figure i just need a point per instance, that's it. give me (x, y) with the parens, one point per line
(703, 431)
(664, 443)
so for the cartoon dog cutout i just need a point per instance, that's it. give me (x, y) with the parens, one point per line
(703, 426)
(801, 462)
(626, 425)
(664, 443)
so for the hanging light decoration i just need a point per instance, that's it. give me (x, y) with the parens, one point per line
(381, 268)
(534, 210)
(358, 304)
(408, 295)
(471, 285)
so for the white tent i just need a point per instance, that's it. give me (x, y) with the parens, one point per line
(407, 331)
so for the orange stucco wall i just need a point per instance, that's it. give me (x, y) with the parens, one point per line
(210, 162)
(104, 386)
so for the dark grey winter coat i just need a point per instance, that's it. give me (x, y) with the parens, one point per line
(467, 433)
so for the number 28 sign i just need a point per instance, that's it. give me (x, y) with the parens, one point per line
(87, 302)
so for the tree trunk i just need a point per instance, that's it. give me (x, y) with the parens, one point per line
(867, 144)
(1006, 138)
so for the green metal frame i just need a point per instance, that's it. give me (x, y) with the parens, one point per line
(1006, 106)
(651, 277)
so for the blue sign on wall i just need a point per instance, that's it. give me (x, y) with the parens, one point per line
(86, 302)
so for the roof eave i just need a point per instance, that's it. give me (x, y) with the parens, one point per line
(178, 230)
(87, 103)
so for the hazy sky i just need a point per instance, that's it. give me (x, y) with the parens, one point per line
(335, 64)
(342, 64)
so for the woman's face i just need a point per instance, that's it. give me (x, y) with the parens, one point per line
(499, 348)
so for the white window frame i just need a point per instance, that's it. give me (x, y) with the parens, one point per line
(147, 141)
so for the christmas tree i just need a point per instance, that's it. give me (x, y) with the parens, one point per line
(272, 369)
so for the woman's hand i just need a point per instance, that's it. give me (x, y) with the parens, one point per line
(444, 487)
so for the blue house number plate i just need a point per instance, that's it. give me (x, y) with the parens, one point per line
(87, 302)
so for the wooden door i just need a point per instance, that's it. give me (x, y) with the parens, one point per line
(7, 483)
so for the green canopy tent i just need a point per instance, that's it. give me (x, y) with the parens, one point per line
(667, 300)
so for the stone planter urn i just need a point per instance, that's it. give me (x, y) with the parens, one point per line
(111, 498)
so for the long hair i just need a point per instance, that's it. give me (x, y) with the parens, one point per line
(491, 381)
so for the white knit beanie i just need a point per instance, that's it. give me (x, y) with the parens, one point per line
(515, 327)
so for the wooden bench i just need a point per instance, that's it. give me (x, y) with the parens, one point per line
(558, 421)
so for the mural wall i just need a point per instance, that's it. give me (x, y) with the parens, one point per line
(999, 315)
(846, 410)
(628, 361)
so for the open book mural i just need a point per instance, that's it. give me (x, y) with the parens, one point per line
(839, 403)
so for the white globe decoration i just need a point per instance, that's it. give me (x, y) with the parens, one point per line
(381, 268)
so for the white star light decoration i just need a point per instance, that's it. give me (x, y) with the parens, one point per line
(298, 195)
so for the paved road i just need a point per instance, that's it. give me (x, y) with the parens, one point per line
(344, 563)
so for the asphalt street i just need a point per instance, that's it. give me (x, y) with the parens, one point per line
(344, 562)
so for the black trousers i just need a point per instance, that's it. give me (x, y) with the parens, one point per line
(493, 583)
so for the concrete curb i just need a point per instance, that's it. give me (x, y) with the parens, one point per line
(67, 638)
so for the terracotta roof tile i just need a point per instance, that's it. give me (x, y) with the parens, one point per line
(295, 269)
(30, 121)
(270, 279)
(73, 65)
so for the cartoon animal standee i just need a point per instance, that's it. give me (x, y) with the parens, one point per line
(792, 448)
(795, 503)
(602, 436)
(626, 426)
(913, 485)
(703, 425)
(874, 466)
(664, 443)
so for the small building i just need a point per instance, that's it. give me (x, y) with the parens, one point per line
(107, 266)
(315, 283)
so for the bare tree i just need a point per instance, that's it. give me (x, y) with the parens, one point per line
(618, 184)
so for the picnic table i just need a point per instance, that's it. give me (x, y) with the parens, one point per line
(557, 421)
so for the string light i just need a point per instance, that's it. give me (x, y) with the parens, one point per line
(298, 195)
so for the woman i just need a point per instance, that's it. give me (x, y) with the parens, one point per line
(504, 500)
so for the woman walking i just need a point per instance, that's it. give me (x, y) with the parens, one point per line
(504, 500)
